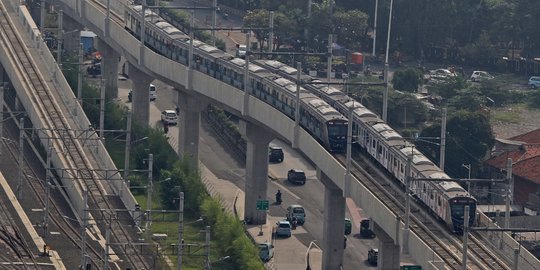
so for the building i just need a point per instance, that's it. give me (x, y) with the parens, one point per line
(524, 150)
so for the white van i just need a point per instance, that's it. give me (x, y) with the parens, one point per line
(153, 92)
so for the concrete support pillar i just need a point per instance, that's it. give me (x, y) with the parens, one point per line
(109, 68)
(334, 215)
(388, 251)
(189, 124)
(256, 187)
(141, 95)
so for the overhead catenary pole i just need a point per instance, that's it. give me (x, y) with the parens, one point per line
(102, 108)
(42, 17)
(386, 66)
(297, 107)
(271, 33)
(329, 60)
(21, 159)
(150, 189)
(143, 32)
(407, 201)
(510, 184)
(214, 21)
(180, 229)
(465, 237)
(107, 244)
(83, 229)
(2, 85)
(246, 75)
(442, 153)
(347, 185)
(128, 148)
(60, 37)
(48, 194)
(79, 75)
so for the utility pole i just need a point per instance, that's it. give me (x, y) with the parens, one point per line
(329, 60)
(297, 107)
(214, 21)
(42, 17)
(509, 187)
(102, 107)
(180, 229)
(2, 85)
(150, 190)
(375, 27)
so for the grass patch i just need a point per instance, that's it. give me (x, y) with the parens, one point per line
(506, 116)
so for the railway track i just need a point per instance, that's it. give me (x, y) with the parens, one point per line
(74, 159)
(14, 247)
(447, 246)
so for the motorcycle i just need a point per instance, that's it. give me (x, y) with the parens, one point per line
(278, 197)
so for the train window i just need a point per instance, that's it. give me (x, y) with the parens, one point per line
(431, 195)
(402, 169)
(395, 162)
(439, 201)
(380, 149)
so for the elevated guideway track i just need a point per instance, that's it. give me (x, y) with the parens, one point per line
(110, 27)
(46, 114)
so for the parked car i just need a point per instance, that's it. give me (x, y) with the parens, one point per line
(283, 228)
(297, 211)
(373, 256)
(296, 176)
(441, 73)
(169, 117)
(534, 82)
(478, 76)
(266, 251)
(275, 153)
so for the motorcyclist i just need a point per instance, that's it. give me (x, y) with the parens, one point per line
(278, 197)
(294, 222)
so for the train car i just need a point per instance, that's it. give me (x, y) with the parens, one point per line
(323, 122)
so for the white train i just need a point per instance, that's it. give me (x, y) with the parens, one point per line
(322, 109)
(444, 199)
(321, 120)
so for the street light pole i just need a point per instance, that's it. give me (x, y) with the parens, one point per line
(207, 248)
(60, 37)
(246, 75)
(386, 66)
(21, 158)
(468, 167)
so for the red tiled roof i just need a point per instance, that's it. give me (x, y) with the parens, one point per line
(525, 162)
(529, 137)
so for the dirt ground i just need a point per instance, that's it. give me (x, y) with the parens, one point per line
(527, 120)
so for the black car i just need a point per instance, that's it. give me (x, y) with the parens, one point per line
(275, 153)
(296, 176)
(373, 255)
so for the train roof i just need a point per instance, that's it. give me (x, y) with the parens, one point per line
(380, 127)
(417, 157)
(292, 88)
(391, 135)
(271, 63)
(331, 91)
(253, 68)
(283, 82)
(148, 13)
(323, 107)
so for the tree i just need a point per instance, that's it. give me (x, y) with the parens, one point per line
(350, 27)
(407, 80)
(258, 19)
(469, 139)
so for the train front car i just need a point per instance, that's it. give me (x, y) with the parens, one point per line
(337, 135)
(457, 212)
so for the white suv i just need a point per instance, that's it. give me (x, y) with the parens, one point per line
(169, 117)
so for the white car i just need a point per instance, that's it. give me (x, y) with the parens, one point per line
(169, 117)
(441, 73)
(283, 228)
(241, 51)
(478, 76)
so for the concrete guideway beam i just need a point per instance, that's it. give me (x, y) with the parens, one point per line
(389, 252)
(109, 68)
(256, 188)
(141, 95)
(189, 122)
(334, 216)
